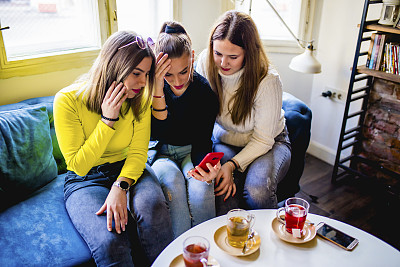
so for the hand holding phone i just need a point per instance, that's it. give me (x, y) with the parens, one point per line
(336, 236)
(213, 158)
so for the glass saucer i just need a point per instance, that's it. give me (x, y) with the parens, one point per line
(307, 235)
(220, 237)
(178, 261)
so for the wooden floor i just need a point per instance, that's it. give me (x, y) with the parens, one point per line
(354, 202)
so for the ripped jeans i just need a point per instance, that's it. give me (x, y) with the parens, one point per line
(190, 201)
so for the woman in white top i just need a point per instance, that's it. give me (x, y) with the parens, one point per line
(250, 127)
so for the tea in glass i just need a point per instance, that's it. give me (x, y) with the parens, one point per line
(195, 251)
(238, 227)
(296, 210)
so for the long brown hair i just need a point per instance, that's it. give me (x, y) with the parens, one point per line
(174, 41)
(240, 30)
(115, 64)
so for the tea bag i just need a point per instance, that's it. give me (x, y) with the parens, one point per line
(296, 233)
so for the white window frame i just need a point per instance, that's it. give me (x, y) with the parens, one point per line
(306, 29)
(62, 61)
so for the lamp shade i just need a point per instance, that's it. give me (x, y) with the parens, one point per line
(305, 62)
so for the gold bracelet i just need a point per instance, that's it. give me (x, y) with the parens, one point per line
(234, 163)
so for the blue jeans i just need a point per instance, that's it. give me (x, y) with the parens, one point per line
(190, 201)
(149, 227)
(256, 187)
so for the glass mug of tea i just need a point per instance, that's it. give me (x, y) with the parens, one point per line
(195, 251)
(238, 227)
(296, 210)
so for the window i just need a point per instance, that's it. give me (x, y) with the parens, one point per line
(48, 35)
(148, 18)
(54, 35)
(296, 13)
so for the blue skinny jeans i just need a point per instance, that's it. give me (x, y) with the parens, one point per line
(256, 186)
(190, 201)
(149, 226)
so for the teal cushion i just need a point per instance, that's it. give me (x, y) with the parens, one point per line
(26, 159)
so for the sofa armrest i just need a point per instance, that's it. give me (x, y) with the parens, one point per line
(298, 121)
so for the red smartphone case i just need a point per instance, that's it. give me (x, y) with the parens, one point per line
(211, 158)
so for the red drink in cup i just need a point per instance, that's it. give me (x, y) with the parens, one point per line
(295, 217)
(195, 251)
(296, 210)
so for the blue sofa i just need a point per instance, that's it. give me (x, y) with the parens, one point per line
(35, 229)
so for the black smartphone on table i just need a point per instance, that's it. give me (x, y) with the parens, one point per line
(336, 236)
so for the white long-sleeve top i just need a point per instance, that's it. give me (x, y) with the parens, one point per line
(267, 120)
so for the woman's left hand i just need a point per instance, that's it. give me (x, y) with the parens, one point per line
(204, 176)
(116, 206)
(224, 182)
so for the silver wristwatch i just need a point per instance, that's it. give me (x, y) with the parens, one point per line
(123, 185)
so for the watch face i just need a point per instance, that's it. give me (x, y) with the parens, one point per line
(124, 185)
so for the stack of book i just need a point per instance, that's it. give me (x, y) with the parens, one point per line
(383, 53)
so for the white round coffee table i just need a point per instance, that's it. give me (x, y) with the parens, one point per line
(273, 251)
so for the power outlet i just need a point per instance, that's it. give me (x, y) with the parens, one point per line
(336, 94)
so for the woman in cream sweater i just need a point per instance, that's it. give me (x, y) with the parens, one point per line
(250, 127)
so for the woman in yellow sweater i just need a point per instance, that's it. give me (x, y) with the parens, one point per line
(102, 124)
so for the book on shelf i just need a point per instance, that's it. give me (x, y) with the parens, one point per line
(380, 50)
(371, 50)
(391, 58)
(383, 53)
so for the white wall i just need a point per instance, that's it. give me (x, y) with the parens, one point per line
(336, 48)
(198, 17)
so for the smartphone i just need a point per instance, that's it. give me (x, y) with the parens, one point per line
(336, 236)
(213, 158)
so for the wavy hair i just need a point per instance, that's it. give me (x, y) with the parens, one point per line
(240, 30)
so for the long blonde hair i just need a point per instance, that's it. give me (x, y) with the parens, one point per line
(115, 64)
(240, 30)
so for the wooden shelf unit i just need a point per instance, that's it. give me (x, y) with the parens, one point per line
(360, 85)
(379, 74)
(382, 28)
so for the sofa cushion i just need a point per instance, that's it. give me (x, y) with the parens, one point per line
(26, 159)
(48, 102)
(38, 232)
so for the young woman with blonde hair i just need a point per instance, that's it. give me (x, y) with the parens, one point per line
(250, 127)
(183, 116)
(102, 124)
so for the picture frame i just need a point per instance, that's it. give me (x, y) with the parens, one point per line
(397, 22)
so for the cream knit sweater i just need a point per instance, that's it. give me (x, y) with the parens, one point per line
(267, 120)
